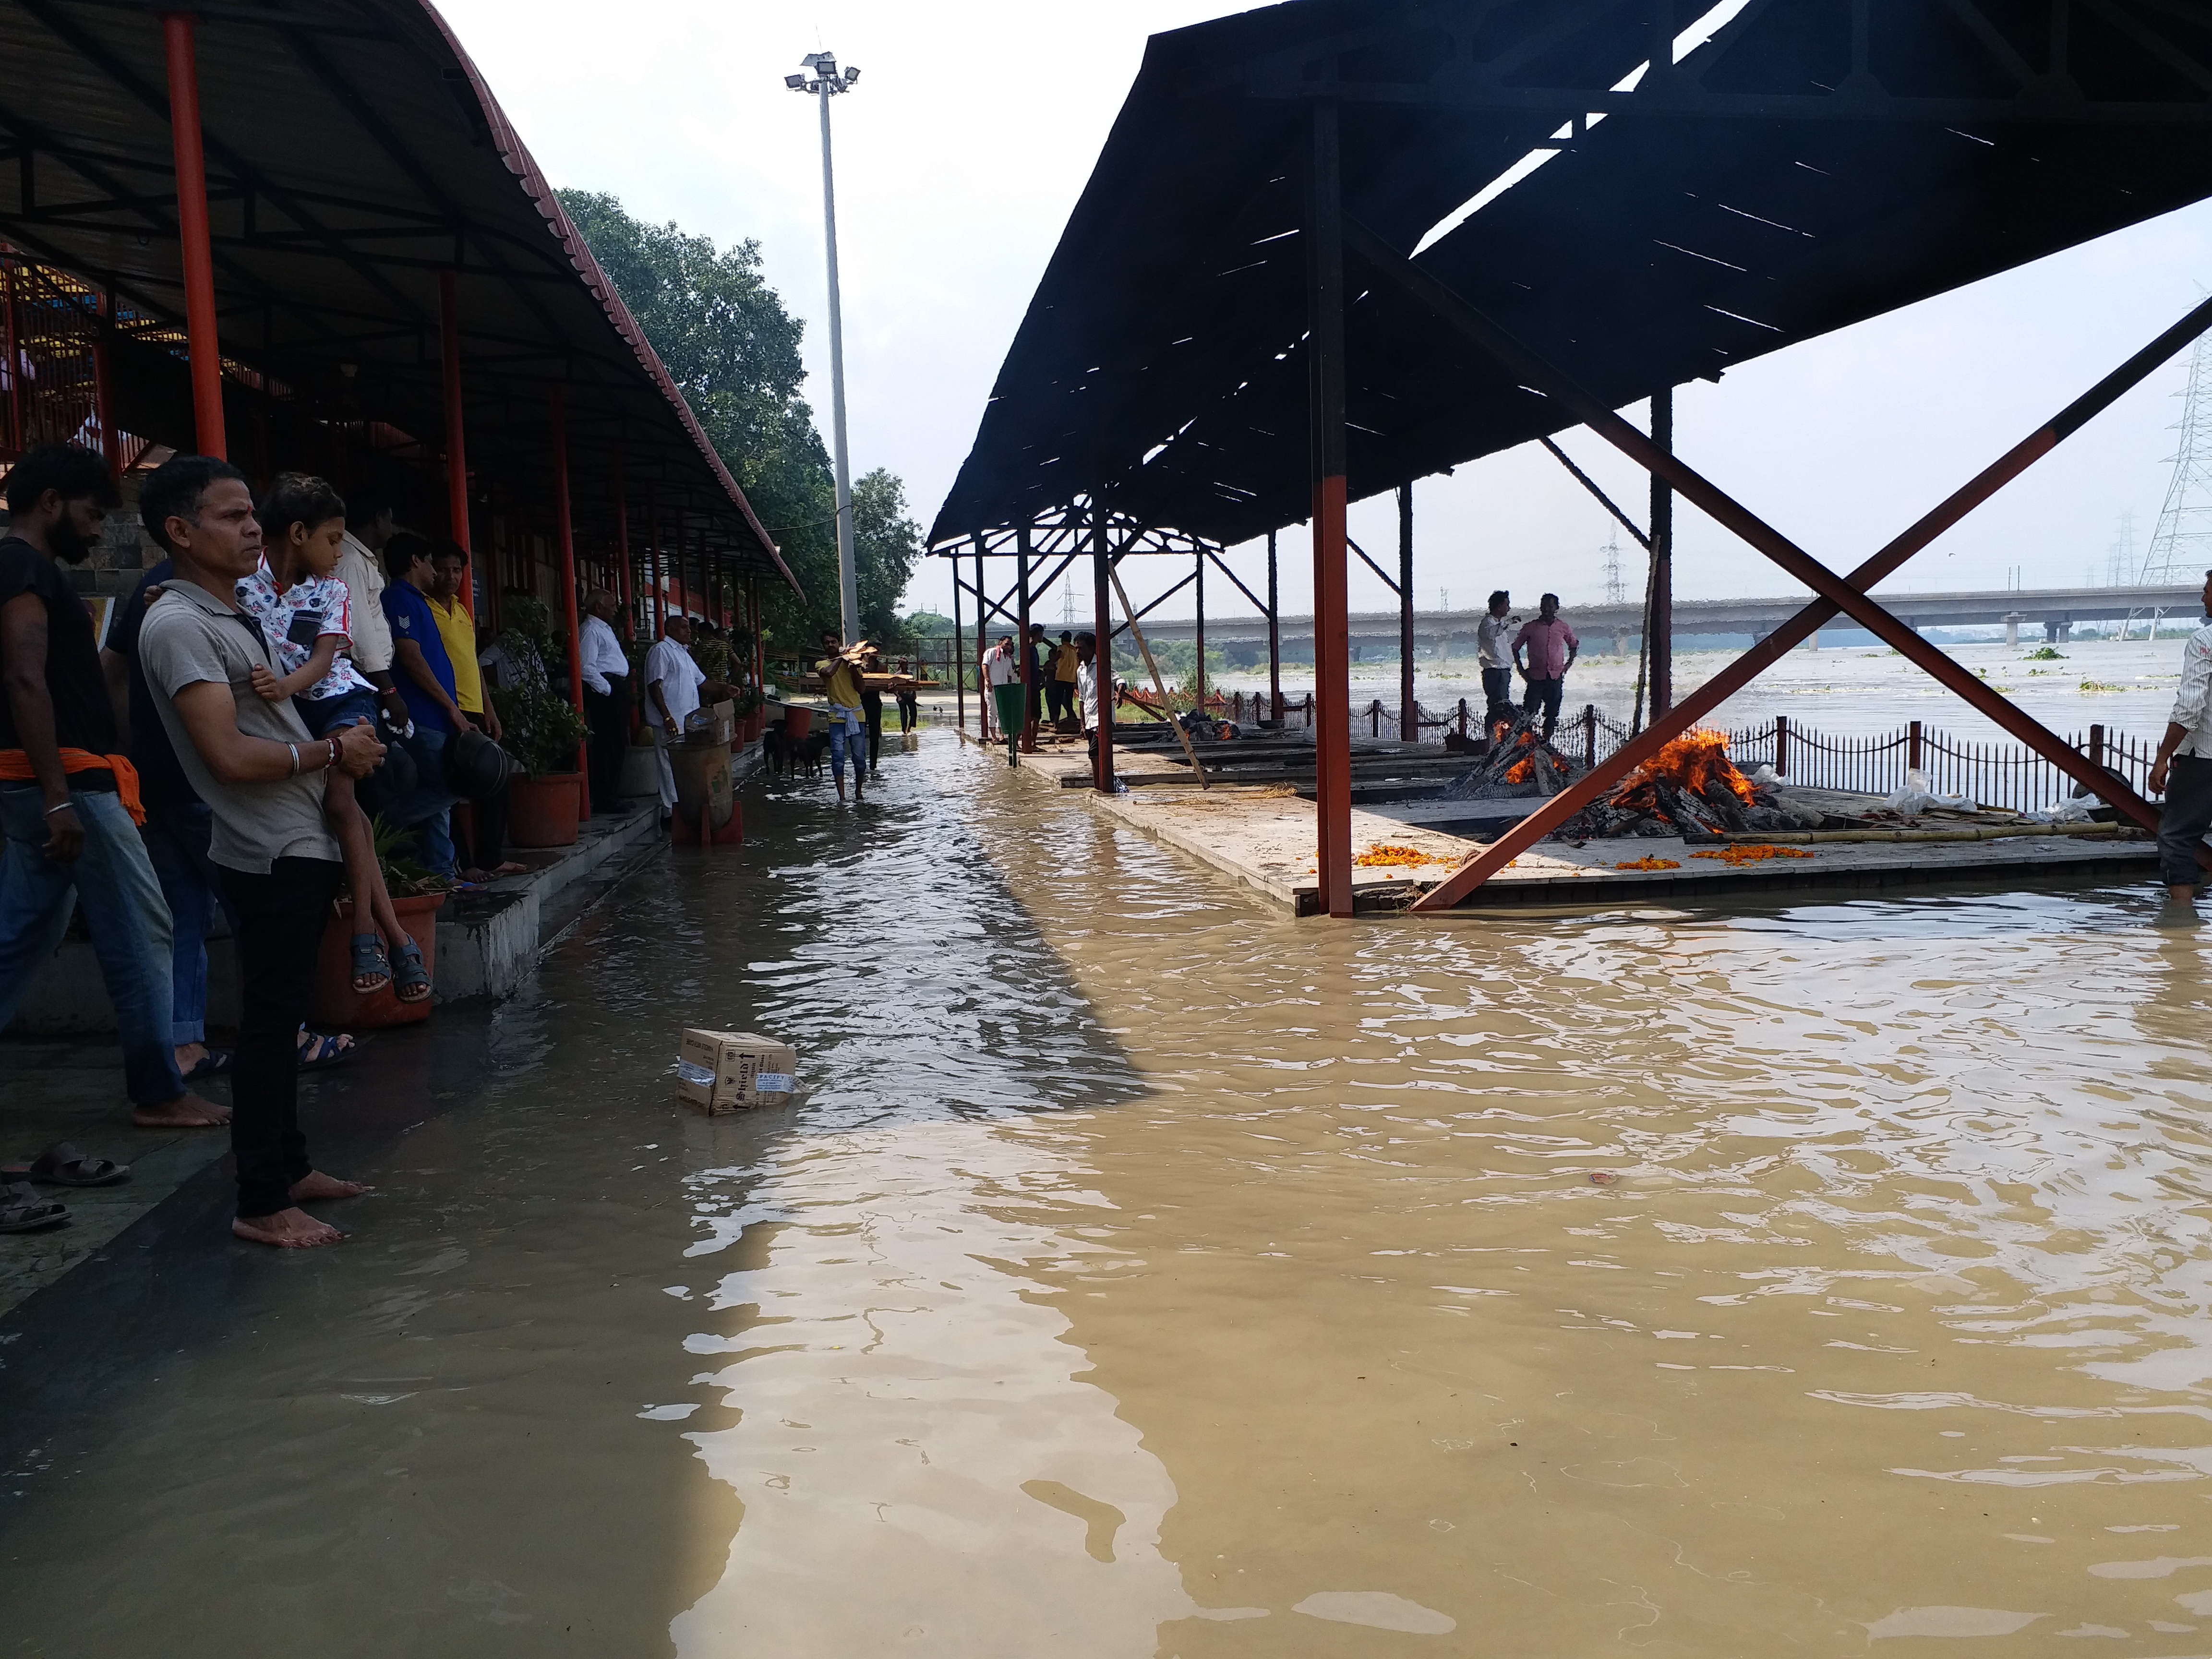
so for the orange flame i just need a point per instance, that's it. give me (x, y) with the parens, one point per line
(1520, 771)
(1690, 763)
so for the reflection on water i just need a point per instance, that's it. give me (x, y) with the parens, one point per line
(1145, 1273)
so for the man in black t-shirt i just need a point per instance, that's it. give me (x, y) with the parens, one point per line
(68, 802)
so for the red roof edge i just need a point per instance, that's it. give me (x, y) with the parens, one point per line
(516, 155)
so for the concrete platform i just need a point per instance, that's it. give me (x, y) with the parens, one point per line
(486, 940)
(1262, 838)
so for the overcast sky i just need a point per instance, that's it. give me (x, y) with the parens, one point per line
(972, 131)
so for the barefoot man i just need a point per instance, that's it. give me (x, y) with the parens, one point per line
(2183, 771)
(67, 799)
(252, 761)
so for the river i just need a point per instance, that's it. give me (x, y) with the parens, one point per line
(1145, 1273)
(1843, 690)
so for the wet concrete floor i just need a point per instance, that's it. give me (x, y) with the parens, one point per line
(1149, 1274)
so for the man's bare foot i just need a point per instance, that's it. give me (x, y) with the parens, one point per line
(315, 1184)
(184, 1112)
(189, 1055)
(287, 1229)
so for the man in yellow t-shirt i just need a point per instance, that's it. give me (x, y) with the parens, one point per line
(481, 858)
(840, 672)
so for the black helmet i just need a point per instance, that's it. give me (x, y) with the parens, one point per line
(475, 766)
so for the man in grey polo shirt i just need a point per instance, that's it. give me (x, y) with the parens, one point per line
(252, 761)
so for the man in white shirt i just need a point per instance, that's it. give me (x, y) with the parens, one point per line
(1494, 649)
(672, 680)
(605, 668)
(2183, 771)
(361, 567)
(1002, 665)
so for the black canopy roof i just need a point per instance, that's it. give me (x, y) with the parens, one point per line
(353, 153)
(1810, 164)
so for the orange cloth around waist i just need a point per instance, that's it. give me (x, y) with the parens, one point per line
(15, 768)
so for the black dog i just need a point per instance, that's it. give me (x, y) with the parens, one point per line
(809, 751)
(776, 748)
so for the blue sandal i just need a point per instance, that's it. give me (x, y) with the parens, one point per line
(413, 984)
(369, 963)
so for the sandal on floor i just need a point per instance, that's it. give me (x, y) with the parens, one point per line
(318, 1050)
(369, 963)
(213, 1063)
(413, 984)
(22, 1211)
(61, 1165)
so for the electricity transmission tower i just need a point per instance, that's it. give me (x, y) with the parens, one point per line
(1613, 591)
(2181, 546)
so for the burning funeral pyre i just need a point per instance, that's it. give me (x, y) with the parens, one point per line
(1691, 788)
(1519, 763)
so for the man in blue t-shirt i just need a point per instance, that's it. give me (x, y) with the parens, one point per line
(425, 674)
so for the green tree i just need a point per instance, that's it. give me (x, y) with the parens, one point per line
(733, 351)
(886, 544)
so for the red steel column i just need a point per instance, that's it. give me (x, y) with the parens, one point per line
(565, 542)
(1409, 713)
(1022, 643)
(1275, 637)
(1332, 623)
(1661, 619)
(1102, 664)
(457, 454)
(983, 701)
(622, 551)
(103, 403)
(959, 656)
(197, 253)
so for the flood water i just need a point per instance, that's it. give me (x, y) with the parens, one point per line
(1861, 690)
(1148, 1275)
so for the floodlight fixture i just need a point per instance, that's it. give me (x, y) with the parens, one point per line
(796, 83)
(852, 73)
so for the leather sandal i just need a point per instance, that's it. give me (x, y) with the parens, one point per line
(61, 1165)
(22, 1211)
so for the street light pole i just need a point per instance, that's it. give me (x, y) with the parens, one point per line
(826, 84)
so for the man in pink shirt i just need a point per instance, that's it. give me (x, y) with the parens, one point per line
(1551, 648)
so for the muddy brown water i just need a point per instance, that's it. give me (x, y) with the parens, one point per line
(1147, 1274)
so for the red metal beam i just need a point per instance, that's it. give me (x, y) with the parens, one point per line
(1101, 661)
(197, 253)
(1331, 626)
(1843, 594)
(622, 551)
(564, 541)
(457, 454)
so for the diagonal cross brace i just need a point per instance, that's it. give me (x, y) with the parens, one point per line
(1835, 593)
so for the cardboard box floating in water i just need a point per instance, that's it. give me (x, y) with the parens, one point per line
(718, 1072)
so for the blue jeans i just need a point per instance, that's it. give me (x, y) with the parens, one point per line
(845, 730)
(113, 879)
(177, 841)
(427, 809)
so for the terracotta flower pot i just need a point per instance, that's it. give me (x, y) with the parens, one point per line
(337, 1005)
(545, 811)
(798, 720)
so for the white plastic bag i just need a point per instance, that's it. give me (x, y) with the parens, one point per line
(1917, 796)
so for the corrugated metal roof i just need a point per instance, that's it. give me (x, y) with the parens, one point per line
(1645, 219)
(354, 152)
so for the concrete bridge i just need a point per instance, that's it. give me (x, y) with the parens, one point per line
(1375, 633)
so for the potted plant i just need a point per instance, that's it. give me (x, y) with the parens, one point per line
(417, 896)
(541, 730)
(751, 714)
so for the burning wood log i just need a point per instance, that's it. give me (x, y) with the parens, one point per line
(1690, 788)
(1519, 763)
